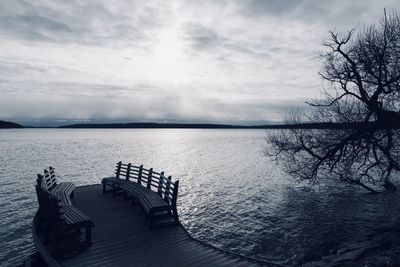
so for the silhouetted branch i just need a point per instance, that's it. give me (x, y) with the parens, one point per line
(364, 71)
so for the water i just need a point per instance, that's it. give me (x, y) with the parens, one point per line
(231, 195)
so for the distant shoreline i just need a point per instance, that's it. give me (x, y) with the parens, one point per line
(326, 125)
(149, 125)
(162, 126)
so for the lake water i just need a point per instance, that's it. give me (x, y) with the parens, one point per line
(231, 195)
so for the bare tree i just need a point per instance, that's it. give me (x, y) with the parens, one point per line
(362, 68)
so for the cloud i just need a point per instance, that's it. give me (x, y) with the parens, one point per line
(219, 61)
(88, 22)
(202, 37)
(262, 7)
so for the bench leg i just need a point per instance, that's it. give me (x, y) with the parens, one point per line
(151, 219)
(104, 188)
(88, 232)
(175, 211)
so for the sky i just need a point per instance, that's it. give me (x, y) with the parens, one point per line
(210, 61)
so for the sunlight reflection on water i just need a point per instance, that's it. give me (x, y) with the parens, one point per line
(231, 195)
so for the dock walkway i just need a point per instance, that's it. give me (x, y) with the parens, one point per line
(122, 237)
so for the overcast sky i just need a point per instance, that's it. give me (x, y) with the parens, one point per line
(241, 62)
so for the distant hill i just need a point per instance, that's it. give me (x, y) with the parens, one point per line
(9, 124)
(157, 125)
(326, 125)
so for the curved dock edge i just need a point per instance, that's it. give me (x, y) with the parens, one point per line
(254, 260)
(46, 255)
(52, 262)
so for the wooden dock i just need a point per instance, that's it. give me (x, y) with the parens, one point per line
(122, 237)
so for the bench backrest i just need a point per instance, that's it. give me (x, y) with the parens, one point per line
(44, 184)
(49, 210)
(49, 205)
(155, 181)
(50, 178)
(40, 182)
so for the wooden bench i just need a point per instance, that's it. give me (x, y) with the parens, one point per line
(57, 215)
(62, 191)
(156, 193)
(67, 218)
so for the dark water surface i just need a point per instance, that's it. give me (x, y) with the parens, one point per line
(231, 195)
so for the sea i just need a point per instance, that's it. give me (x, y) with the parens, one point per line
(231, 194)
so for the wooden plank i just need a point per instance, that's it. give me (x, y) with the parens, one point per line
(122, 237)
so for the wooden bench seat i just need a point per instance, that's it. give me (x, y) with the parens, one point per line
(66, 187)
(57, 215)
(111, 181)
(148, 199)
(49, 183)
(152, 201)
(156, 193)
(63, 197)
(72, 215)
(66, 218)
(132, 189)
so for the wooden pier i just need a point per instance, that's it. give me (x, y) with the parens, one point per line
(122, 237)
